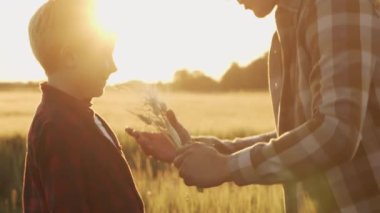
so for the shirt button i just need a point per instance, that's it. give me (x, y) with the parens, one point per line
(276, 85)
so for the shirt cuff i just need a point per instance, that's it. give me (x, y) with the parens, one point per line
(241, 168)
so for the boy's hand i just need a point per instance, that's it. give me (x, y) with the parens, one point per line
(157, 145)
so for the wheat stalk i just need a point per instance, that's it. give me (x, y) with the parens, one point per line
(154, 114)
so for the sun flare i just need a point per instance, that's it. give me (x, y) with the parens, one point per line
(155, 39)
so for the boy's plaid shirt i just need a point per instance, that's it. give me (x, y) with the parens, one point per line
(71, 166)
(324, 75)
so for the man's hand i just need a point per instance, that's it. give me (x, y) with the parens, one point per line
(223, 146)
(201, 165)
(157, 145)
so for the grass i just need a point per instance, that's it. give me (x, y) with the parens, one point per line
(226, 115)
(221, 114)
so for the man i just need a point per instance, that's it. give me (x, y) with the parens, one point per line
(74, 161)
(324, 76)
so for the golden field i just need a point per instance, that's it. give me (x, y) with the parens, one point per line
(226, 115)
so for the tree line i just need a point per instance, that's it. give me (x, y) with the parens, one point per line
(251, 77)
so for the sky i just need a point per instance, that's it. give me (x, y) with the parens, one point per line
(155, 38)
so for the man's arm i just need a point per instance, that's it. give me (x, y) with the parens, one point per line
(226, 146)
(340, 82)
(60, 165)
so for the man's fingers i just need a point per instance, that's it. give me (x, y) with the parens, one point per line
(181, 172)
(178, 161)
(183, 149)
(188, 182)
(185, 175)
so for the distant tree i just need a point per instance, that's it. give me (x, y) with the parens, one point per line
(232, 79)
(163, 86)
(19, 86)
(132, 84)
(195, 81)
(251, 77)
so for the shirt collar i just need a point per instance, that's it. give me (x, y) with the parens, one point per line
(51, 94)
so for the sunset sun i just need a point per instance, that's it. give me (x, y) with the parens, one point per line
(156, 39)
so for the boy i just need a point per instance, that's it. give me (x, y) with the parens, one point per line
(74, 161)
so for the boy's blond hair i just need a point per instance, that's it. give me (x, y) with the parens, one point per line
(56, 24)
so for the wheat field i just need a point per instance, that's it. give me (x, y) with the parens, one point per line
(225, 115)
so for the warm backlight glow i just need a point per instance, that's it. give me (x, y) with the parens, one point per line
(155, 38)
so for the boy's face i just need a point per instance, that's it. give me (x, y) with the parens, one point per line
(261, 8)
(92, 65)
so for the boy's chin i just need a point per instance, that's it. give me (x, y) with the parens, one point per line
(95, 93)
(98, 93)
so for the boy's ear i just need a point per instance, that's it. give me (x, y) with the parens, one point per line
(68, 57)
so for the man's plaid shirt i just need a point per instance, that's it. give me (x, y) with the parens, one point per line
(324, 72)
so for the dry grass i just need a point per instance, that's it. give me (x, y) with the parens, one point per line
(167, 193)
(226, 115)
(222, 114)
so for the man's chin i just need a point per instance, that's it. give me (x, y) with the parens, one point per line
(261, 9)
(262, 12)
